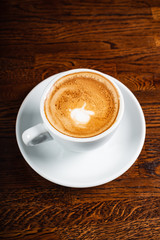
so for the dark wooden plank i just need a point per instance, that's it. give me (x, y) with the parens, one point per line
(132, 218)
(103, 43)
(135, 60)
(48, 33)
(87, 11)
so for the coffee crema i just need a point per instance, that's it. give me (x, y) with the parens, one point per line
(82, 104)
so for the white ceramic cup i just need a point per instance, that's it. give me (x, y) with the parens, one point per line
(46, 132)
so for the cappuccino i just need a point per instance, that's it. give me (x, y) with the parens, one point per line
(82, 104)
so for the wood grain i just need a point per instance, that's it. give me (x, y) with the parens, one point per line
(40, 38)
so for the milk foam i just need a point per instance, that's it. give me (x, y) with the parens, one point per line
(82, 104)
(81, 115)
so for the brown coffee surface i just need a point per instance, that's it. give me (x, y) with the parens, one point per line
(82, 104)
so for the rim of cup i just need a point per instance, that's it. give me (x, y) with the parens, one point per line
(76, 139)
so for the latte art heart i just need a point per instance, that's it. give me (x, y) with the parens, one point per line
(82, 104)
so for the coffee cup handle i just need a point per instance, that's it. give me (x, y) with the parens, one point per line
(36, 135)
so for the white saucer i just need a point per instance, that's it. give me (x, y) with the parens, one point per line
(89, 169)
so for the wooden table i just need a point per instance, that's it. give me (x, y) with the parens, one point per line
(40, 38)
